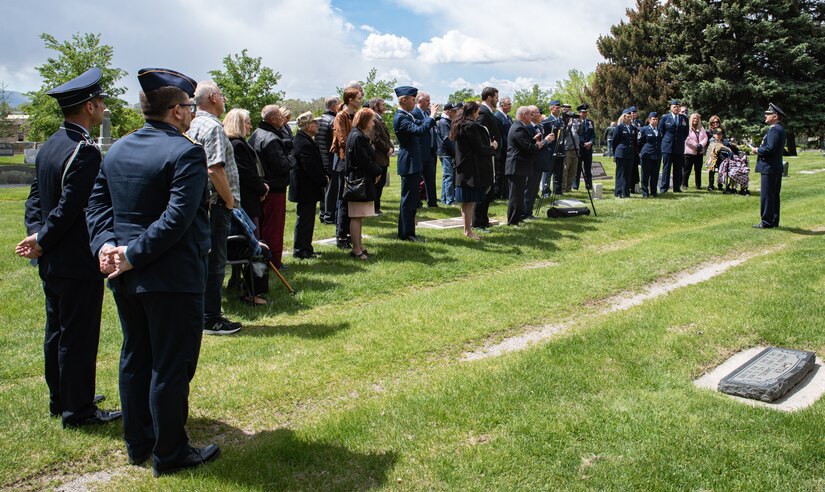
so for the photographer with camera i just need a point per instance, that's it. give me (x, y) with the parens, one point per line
(571, 148)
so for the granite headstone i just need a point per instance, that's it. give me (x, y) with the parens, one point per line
(769, 375)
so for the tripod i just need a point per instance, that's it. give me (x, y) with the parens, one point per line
(559, 153)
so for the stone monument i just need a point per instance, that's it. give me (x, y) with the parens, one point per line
(769, 375)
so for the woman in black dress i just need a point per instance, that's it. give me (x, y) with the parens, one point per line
(474, 163)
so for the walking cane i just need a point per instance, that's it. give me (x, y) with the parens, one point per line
(278, 273)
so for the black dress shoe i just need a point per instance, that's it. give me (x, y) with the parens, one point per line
(97, 399)
(761, 226)
(99, 417)
(140, 459)
(196, 457)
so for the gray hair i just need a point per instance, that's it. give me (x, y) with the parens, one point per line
(332, 102)
(373, 103)
(505, 98)
(269, 111)
(522, 110)
(204, 90)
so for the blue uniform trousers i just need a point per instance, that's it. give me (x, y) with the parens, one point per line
(70, 345)
(409, 205)
(624, 176)
(771, 185)
(671, 166)
(429, 182)
(650, 175)
(161, 341)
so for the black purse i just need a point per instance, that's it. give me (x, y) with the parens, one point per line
(355, 189)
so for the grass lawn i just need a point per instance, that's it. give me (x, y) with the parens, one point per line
(357, 382)
(11, 159)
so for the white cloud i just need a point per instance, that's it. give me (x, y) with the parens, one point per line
(402, 77)
(456, 47)
(459, 83)
(386, 47)
(369, 29)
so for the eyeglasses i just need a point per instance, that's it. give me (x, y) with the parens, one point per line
(192, 106)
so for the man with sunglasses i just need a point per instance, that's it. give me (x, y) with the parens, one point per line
(148, 224)
(58, 242)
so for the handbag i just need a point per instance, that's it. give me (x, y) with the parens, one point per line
(355, 189)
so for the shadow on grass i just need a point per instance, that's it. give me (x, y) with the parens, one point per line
(802, 232)
(302, 330)
(283, 460)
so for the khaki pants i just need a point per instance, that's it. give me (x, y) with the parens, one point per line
(571, 162)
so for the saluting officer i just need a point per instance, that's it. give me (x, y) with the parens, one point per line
(650, 153)
(769, 164)
(673, 128)
(587, 135)
(148, 217)
(66, 167)
(410, 163)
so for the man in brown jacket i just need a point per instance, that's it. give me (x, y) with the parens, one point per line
(383, 147)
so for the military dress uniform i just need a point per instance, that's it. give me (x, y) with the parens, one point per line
(769, 164)
(410, 163)
(587, 134)
(66, 167)
(151, 196)
(674, 130)
(650, 153)
(623, 154)
(429, 151)
(552, 124)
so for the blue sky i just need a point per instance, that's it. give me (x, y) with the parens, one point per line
(317, 45)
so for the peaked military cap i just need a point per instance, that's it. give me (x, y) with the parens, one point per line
(155, 78)
(405, 90)
(774, 109)
(583, 107)
(80, 89)
(555, 102)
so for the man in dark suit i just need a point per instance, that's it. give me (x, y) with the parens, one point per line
(769, 164)
(587, 135)
(429, 148)
(408, 131)
(542, 161)
(506, 121)
(489, 100)
(522, 145)
(306, 184)
(148, 221)
(673, 130)
(66, 167)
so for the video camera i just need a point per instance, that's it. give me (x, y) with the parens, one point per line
(569, 115)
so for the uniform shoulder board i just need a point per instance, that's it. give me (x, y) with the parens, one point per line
(191, 139)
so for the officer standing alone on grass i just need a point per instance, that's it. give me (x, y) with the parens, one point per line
(769, 164)
(66, 167)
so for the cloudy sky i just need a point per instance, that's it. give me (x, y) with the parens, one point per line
(317, 45)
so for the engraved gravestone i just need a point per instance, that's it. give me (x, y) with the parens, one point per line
(769, 375)
(598, 171)
(6, 149)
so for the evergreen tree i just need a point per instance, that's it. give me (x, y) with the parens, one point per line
(83, 52)
(247, 84)
(733, 57)
(5, 111)
(635, 69)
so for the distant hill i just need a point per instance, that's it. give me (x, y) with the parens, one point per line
(16, 99)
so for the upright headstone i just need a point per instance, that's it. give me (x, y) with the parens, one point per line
(106, 129)
(6, 149)
(30, 155)
(598, 171)
(769, 375)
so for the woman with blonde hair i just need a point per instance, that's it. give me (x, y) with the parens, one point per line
(695, 145)
(361, 166)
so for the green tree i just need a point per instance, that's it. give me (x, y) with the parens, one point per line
(247, 84)
(5, 110)
(531, 97)
(74, 57)
(131, 119)
(298, 106)
(384, 89)
(635, 69)
(463, 95)
(572, 89)
(732, 58)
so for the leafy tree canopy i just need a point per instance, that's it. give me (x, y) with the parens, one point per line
(247, 84)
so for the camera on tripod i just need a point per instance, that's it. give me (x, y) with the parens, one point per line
(569, 115)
